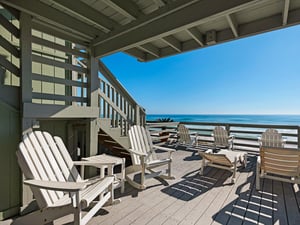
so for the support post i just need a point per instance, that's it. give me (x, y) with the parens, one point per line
(93, 96)
(25, 81)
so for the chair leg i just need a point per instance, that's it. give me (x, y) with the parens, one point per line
(234, 171)
(202, 166)
(258, 176)
(143, 175)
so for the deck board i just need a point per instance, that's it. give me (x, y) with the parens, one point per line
(192, 199)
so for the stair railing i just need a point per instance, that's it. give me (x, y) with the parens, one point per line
(117, 104)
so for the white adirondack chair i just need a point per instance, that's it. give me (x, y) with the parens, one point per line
(224, 159)
(185, 137)
(221, 138)
(55, 182)
(144, 158)
(271, 138)
(278, 163)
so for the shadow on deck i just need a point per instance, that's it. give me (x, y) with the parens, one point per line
(208, 199)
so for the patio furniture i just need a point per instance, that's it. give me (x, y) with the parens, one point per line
(115, 161)
(55, 182)
(223, 159)
(278, 163)
(222, 139)
(185, 138)
(271, 138)
(144, 157)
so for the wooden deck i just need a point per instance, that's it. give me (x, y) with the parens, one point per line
(209, 199)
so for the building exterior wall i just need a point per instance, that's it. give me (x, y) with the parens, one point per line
(10, 188)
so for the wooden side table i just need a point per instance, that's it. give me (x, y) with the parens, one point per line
(103, 158)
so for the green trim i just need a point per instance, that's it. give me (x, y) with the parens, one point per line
(9, 212)
(4, 104)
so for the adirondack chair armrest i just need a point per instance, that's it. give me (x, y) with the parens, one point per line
(231, 136)
(164, 148)
(56, 185)
(136, 152)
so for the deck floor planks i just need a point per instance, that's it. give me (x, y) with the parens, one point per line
(266, 206)
(242, 187)
(279, 213)
(292, 209)
(185, 202)
(252, 211)
(226, 211)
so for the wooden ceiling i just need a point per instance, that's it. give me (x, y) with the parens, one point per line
(152, 29)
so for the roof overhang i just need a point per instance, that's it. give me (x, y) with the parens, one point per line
(152, 29)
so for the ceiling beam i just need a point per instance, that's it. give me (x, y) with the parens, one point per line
(173, 43)
(88, 13)
(126, 8)
(233, 24)
(196, 35)
(246, 30)
(53, 16)
(285, 13)
(14, 12)
(151, 49)
(159, 3)
(140, 55)
(49, 29)
(160, 24)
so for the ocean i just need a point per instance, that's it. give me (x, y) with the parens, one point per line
(245, 119)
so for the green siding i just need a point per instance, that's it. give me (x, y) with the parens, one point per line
(10, 188)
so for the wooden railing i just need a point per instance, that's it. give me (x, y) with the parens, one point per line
(246, 135)
(117, 104)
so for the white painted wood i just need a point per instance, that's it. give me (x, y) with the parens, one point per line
(271, 138)
(224, 159)
(144, 158)
(278, 163)
(221, 138)
(55, 182)
(184, 137)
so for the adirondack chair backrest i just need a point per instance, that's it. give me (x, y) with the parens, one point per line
(220, 159)
(183, 134)
(43, 157)
(140, 141)
(271, 138)
(220, 136)
(280, 161)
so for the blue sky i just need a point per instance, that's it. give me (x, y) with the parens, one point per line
(255, 75)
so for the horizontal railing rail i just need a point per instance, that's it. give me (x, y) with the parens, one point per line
(246, 135)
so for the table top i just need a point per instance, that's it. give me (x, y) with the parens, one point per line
(103, 158)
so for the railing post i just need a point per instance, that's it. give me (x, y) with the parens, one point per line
(298, 137)
(137, 115)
